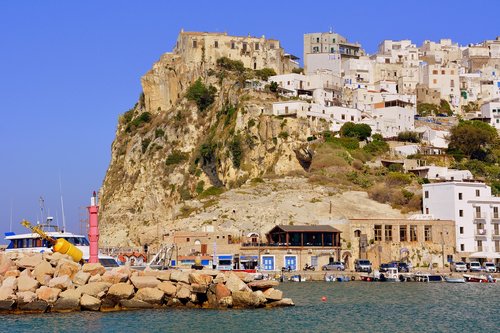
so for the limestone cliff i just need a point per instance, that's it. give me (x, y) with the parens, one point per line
(167, 151)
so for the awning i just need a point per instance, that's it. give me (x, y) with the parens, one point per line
(225, 257)
(487, 255)
(248, 258)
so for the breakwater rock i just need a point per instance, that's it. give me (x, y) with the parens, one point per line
(51, 282)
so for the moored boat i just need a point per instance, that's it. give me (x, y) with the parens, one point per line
(297, 278)
(479, 278)
(451, 279)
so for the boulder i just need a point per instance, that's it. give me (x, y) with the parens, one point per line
(25, 283)
(61, 282)
(260, 296)
(220, 278)
(30, 261)
(94, 268)
(211, 272)
(10, 282)
(245, 299)
(150, 295)
(183, 292)
(226, 302)
(94, 288)
(43, 272)
(90, 303)
(163, 276)
(144, 281)
(71, 293)
(122, 270)
(283, 302)
(81, 278)
(179, 276)
(244, 276)
(25, 297)
(66, 304)
(199, 278)
(95, 278)
(168, 288)
(6, 264)
(121, 291)
(221, 291)
(13, 272)
(263, 284)
(7, 293)
(199, 288)
(7, 305)
(234, 283)
(273, 294)
(48, 294)
(35, 306)
(135, 304)
(66, 267)
(114, 277)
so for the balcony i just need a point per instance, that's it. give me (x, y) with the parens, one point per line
(480, 233)
(495, 218)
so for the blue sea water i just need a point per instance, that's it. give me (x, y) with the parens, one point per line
(349, 307)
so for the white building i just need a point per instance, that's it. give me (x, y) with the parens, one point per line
(390, 118)
(434, 172)
(290, 108)
(476, 214)
(491, 111)
(445, 79)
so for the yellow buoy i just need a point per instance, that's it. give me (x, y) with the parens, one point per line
(65, 247)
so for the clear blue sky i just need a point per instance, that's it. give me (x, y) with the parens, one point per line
(68, 69)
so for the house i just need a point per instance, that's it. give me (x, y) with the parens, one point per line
(476, 213)
(294, 246)
(491, 113)
(433, 172)
(393, 117)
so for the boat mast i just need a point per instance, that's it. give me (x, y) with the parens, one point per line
(42, 204)
(62, 204)
(11, 205)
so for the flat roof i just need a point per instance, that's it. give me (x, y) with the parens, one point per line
(306, 228)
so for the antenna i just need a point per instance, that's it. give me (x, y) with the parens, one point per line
(62, 204)
(42, 208)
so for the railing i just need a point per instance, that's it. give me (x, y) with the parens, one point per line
(480, 232)
(479, 215)
(288, 245)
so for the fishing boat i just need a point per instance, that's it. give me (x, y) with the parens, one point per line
(428, 277)
(479, 278)
(451, 279)
(390, 275)
(32, 242)
(297, 278)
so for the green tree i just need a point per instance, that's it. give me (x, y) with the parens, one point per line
(201, 94)
(273, 86)
(352, 130)
(265, 73)
(472, 138)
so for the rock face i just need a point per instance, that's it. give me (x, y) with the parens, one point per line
(132, 290)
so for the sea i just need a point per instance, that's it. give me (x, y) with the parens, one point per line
(320, 307)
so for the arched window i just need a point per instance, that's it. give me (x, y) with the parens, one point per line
(357, 233)
(197, 242)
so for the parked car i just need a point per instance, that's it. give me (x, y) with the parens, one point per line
(475, 266)
(498, 267)
(489, 267)
(362, 265)
(402, 266)
(458, 266)
(384, 267)
(334, 266)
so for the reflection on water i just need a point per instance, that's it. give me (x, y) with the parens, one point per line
(350, 307)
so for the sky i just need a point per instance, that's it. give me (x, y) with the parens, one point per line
(68, 69)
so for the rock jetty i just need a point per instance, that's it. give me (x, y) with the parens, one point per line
(52, 282)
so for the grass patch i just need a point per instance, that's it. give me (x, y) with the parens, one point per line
(211, 191)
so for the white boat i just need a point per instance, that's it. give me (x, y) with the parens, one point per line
(32, 242)
(451, 279)
(297, 278)
(428, 277)
(390, 275)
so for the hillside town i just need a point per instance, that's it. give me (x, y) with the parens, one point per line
(401, 89)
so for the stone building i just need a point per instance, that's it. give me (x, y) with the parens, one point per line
(420, 242)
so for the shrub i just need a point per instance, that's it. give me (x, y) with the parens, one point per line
(236, 150)
(376, 147)
(200, 186)
(426, 109)
(265, 73)
(347, 143)
(145, 144)
(273, 86)
(251, 123)
(397, 179)
(352, 130)
(472, 138)
(203, 96)
(299, 70)
(283, 135)
(311, 138)
(159, 133)
(144, 117)
(396, 167)
(176, 157)
(357, 164)
(257, 180)
(230, 65)
(212, 191)
(409, 136)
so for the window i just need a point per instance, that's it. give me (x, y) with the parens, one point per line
(452, 72)
(216, 44)
(187, 239)
(195, 44)
(402, 234)
(434, 81)
(352, 118)
(357, 233)
(343, 117)
(461, 213)
(427, 194)
(442, 71)
(257, 46)
(413, 233)
(495, 212)
(271, 46)
(462, 247)
(426, 210)
(452, 83)
(478, 212)
(378, 232)
(477, 193)
(233, 45)
(435, 72)
(479, 245)
(332, 50)
(388, 233)
(244, 47)
(497, 246)
(428, 233)
(460, 196)
(333, 40)
(461, 230)
(317, 40)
